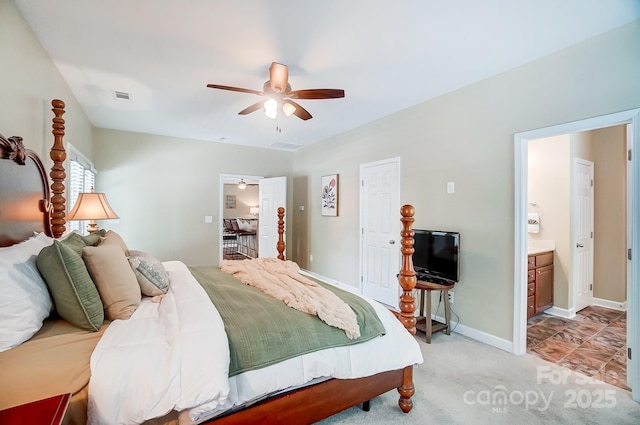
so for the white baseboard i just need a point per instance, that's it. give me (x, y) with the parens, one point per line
(561, 312)
(615, 305)
(330, 281)
(479, 336)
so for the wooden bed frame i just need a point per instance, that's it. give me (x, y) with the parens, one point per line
(301, 406)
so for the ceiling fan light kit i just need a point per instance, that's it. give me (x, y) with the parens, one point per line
(279, 91)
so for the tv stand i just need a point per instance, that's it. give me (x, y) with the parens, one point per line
(424, 323)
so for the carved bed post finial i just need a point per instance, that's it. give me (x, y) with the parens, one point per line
(58, 175)
(407, 277)
(280, 245)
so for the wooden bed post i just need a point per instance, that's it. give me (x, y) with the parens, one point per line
(280, 244)
(407, 280)
(58, 155)
(407, 277)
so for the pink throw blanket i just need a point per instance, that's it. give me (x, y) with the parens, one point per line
(282, 280)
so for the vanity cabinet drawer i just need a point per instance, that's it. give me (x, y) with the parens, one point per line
(531, 306)
(539, 283)
(545, 259)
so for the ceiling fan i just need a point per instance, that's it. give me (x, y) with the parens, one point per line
(278, 93)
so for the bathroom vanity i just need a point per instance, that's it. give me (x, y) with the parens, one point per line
(539, 282)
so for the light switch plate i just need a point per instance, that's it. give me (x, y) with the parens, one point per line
(451, 187)
(208, 219)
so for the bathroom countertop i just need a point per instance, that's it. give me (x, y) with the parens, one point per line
(537, 250)
(537, 246)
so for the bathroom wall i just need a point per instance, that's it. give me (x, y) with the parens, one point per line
(549, 187)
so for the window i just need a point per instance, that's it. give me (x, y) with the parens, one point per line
(81, 178)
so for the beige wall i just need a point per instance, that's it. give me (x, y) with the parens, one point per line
(245, 199)
(466, 137)
(28, 82)
(610, 224)
(163, 187)
(550, 188)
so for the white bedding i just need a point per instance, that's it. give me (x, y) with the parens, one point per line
(174, 356)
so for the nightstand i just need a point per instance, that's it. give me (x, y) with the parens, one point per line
(424, 323)
(49, 411)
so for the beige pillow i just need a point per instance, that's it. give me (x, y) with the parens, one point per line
(114, 279)
(112, 238)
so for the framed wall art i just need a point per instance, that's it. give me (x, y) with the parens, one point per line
(230, 201)
(330, 195)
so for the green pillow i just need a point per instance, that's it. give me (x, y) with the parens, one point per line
(74, 294)
(76, 241)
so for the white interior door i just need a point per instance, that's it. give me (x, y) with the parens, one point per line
(380, 237)
(272, 194)
(583, 233)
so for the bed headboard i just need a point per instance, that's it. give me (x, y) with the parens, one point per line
(24, 193)
(26, 204)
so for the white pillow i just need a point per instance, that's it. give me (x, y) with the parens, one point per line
(24, 300)
(246, 225)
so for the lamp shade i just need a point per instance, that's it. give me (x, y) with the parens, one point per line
(91, 206)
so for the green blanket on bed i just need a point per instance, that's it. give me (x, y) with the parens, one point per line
(263, 331)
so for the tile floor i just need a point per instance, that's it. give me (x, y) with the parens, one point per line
(593, 343)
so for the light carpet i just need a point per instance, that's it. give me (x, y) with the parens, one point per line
(464, 382)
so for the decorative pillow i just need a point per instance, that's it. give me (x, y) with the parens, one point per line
(114, 279)
(24, 299)
(112, 238)
(150, 273)
(245, 225)
(76, 241)
(74, 294)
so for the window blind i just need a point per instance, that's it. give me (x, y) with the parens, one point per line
(81, 178)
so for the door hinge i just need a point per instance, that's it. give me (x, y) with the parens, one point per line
(591, 235)
(591, 286)
(629, 155)
(362, 183)
(591, 182)
(361, 279)
(629, 353)
(362, 231)
(629, 254)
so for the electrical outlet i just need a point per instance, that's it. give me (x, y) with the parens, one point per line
(451, 297)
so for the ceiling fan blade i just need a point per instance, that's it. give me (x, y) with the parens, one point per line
(278, 77)
(252, 108)
(316, 94)
(239, 89)
(300, 112)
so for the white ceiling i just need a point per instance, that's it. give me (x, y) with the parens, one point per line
(386, 55)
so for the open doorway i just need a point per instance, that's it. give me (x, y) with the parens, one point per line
(240, 216)
(577, 274)
(633, 232)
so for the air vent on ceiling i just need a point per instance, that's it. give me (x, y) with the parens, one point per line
(284, 145)
(120, 95)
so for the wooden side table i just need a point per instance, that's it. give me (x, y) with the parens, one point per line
(424, 322)
(49, 411)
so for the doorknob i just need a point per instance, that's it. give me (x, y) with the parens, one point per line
(579, 245)
(392, 242)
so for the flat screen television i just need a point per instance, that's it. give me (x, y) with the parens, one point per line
(436, 257)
